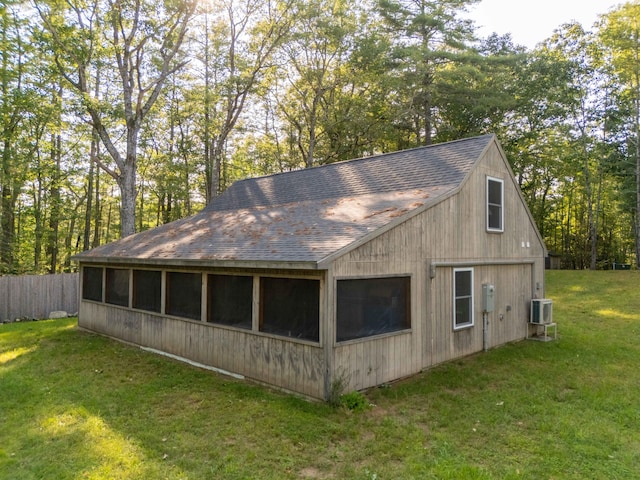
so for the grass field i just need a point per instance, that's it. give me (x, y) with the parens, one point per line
(75, 405)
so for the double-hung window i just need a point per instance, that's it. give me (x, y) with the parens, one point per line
(462, 298)
(495, 205)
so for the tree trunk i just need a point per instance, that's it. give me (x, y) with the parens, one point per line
(87, 216)
(37, 213)
(128, 193)
(637, 216)
(97, 208)
(7, 208)
(54, 216)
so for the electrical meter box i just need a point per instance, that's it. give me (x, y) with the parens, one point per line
(488, 297)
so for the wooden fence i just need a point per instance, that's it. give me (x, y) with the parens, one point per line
(35, 296)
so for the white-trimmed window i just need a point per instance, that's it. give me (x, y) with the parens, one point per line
(495, 205)
(462, 298)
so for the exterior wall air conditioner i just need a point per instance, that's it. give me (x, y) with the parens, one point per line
(541, 311)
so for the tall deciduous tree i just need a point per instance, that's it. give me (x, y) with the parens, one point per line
(240, 37)
(137, 44)
(316, 53)
(585, 119)
(620, 34)
(15, 103)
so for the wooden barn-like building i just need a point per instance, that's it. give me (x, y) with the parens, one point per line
(351, 274)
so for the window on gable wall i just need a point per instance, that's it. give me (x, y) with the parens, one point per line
(462, 298)
(495, 205)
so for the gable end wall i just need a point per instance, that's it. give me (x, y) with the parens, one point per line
(427, 247)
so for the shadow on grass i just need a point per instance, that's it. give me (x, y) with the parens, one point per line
(76, 405)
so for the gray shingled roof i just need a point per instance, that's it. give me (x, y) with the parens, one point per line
(305, 215)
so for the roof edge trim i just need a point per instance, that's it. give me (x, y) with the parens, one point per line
(199, 263)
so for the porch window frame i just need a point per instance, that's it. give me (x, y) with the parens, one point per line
(407, 300)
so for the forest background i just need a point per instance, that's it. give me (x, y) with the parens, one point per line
(120, 115)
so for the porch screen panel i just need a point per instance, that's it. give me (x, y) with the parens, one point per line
(116, 290)
(92, 283)
(147, 290)
(230, 299)
(184, 295)
(372, 306)
(290, 307)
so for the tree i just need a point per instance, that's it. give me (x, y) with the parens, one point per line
(585, 106)
(239, 43)
(316, 53)
(620, 35)
(428, 36)
(136, 43)
(12, 110)
(475, 96)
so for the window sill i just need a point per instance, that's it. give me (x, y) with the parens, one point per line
(344, 343)
(463, 327)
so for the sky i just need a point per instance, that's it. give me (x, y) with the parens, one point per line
(532, 21)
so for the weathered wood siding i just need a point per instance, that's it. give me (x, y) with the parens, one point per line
(294, 366)
(35, 296)
(507, 323)
(427, 247)
(372, 361)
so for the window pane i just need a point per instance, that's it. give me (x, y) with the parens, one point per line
(92, 283)
(463, 283)
(117, 287)
(463, 311)
(495, 217)
(230, 300)
(184, 295)
(147, 285)
(290, 307)
(372, 307)
(495, 192)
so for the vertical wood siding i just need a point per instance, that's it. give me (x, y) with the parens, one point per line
(426, 247)
(507, 323)
(293, 366)
(452, 232)
(35, 296)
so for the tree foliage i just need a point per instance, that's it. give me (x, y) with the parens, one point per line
(120, 115)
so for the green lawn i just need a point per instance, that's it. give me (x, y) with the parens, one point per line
(75, 405)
